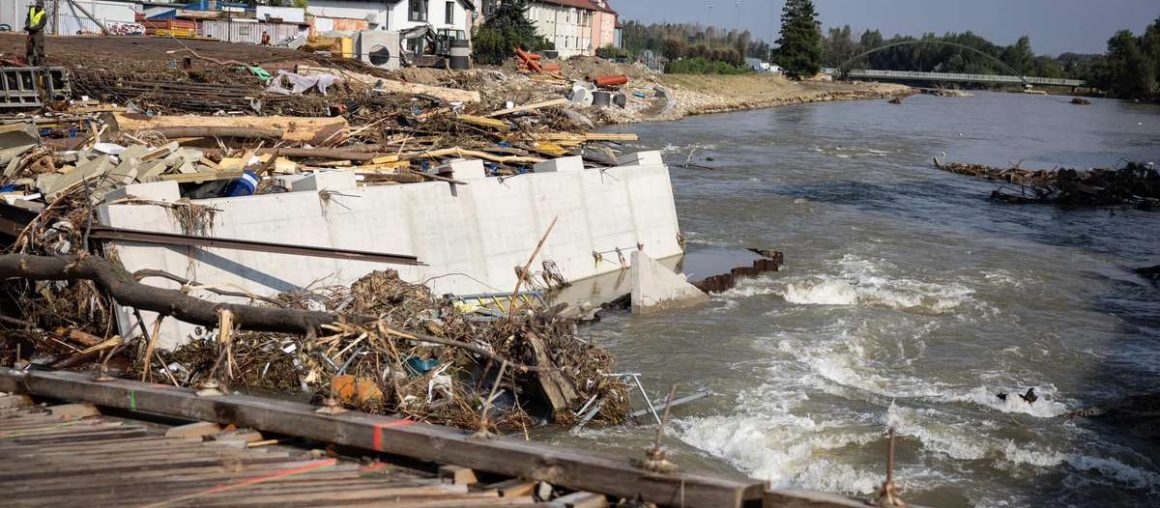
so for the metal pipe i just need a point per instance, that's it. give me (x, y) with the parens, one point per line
(653, 410)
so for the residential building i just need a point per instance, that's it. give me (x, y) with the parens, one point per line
(603, 25)
(395, 14)
(575, 27)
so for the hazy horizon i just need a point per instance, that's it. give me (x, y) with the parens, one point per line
(1054, 26)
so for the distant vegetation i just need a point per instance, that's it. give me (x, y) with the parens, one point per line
(693, 48)
(1130, 69)
(700, 65)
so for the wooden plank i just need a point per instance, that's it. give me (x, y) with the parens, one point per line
(489, 123)
(392, 86)
(294, 128)
(74, 411)
(458, 475)
(194, 430)
(510, 457)
(591, 136)
(514, 487)
(528, 107)
(15, 401)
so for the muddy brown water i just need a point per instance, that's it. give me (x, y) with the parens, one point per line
(908, 300)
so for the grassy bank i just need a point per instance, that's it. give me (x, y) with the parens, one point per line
(702, 94)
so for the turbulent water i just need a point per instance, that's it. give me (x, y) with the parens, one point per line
(909, 300)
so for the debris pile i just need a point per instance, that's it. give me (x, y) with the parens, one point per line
(528, 367)
(1136, 184)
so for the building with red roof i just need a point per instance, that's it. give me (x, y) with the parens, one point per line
(576, 27)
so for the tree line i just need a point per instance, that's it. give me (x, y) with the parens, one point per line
(676, 41)
(1129, 69)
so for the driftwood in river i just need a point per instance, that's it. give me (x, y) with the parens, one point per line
(1135, 184)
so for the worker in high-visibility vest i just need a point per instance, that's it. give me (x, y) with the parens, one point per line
(34, 25)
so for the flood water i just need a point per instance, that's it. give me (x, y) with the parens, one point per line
(908, 300)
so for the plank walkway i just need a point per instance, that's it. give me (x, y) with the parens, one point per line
(73, 455)
(82, 460)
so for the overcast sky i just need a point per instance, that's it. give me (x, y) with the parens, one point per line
(1055, 26)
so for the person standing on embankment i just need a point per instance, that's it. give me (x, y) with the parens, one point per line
(34, 25)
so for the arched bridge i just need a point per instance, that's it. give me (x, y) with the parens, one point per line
(961, 78)
(1013, 76)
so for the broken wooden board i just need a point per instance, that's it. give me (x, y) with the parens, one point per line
(556, 387)
(295, 129)
(529, 107)
(489, 123)
(391, 86)
(588, 137)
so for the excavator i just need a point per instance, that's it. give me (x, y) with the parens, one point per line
(424, 46)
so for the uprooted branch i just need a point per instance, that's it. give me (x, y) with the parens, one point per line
(123, 287)
(120, 284)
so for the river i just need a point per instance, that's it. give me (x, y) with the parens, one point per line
(908, 300)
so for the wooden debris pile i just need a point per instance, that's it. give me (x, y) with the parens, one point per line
(1135, 184)
(394, 349)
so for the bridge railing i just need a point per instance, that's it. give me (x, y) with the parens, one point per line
(948, 76)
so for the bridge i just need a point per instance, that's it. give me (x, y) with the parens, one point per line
(960, 78)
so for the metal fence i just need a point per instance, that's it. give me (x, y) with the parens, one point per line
(248, 32)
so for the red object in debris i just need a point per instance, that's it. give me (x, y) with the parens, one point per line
(608, 81)
(552, 67)
(528, 60)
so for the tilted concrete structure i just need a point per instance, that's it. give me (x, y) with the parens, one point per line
(470, 238)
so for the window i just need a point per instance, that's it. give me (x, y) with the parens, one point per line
(450, 13)
(417, 11)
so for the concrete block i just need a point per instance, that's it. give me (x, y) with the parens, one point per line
(287, 181)
(655, 288)
(463, 169)
(647, 158)
(167, 191)
(560, 165)
(328, 180)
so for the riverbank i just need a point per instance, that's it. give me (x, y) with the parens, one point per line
(119, 69)
(697, 95)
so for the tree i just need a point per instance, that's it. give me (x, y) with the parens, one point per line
(800, 47)
(673, 48)
(1019, 56)
(506, 29)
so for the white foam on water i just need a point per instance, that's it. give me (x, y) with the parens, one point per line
(863, 282)
(784, 449)
(825, 292)
(1044, 407)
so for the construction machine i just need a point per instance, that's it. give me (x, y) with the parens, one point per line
(424, 46)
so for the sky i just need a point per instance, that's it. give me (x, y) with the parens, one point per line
(1055, 26)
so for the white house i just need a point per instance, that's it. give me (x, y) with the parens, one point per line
(393, 14)
(575, 27)
(565, 23)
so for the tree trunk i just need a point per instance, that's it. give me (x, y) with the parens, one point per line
(120, 285)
